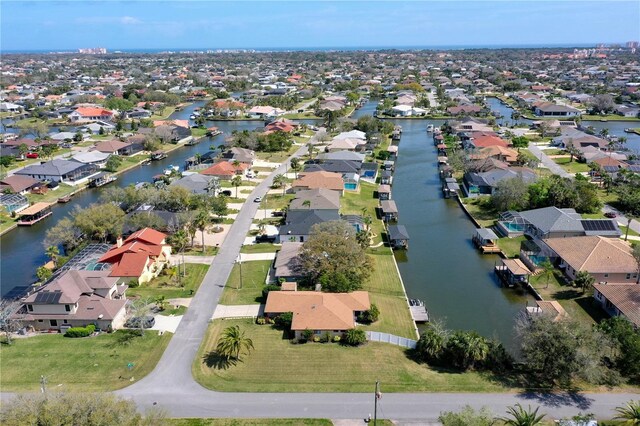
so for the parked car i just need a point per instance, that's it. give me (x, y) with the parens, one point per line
(277, 213)
(257, 199)
(137, 322)
(65, 145)
(226, 193)
(265, 239)
(610, 214)
(32, 155)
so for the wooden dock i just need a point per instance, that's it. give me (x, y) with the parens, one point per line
(419, 314)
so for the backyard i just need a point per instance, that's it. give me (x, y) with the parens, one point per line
(83, 364)
(269, 367)
(169, 287)
(354, 202)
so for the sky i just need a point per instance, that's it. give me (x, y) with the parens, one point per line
(60, 25)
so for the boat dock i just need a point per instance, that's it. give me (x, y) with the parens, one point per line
(419, 314)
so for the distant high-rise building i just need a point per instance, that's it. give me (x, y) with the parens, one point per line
(93, 51)
(633, 44)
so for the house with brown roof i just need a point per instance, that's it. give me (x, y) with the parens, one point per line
(17, 184)
(76, 299)
(619, 300)
(140, 258)
(319, 179)
(606, 259)
(225, 170)
(287, 263)
(86, 114)
(322, 313)
(114, 147)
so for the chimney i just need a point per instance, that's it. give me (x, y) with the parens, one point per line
(119, 241)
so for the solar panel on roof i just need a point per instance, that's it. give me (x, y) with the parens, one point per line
(48, 297)
(598, 225)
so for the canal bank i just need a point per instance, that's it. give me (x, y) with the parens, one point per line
(23, 248)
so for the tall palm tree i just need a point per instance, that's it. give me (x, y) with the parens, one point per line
(310, 149)
(179, 241)
(630, 413)
(236, 181)
(53, 252)
(233, 342)
(201, 223)
(295, 165)
(521, 417)
(280, 181)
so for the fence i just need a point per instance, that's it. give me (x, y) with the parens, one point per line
(375, 336)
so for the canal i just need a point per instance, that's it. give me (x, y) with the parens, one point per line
(22, 248)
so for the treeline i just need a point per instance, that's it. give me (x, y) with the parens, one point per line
(258, 141)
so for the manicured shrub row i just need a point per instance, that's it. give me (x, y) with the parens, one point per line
(80, 331)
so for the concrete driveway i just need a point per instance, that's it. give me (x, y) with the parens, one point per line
(167, 323)
(238, 311)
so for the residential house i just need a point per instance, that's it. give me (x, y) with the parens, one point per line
(478, 140)
(322, 313)
(549, 109)
(97, 158)
(318, 179)
(58, 170)
(196, 183)
(499, 152)
(86, 114)
(140, 258)
(287, 263)
(475, 184)
(98, 126)
(298, 223)
(315, 199)
(76, 299)
(17, 184)
(114, 147)
(619, 300)
(226, 170)
(464, 110)
(265, 112)
(606, 259)
(241, 155)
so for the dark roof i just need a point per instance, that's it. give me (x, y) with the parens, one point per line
(335, 166)
(57, 167)
(398, 232)
(299, 222)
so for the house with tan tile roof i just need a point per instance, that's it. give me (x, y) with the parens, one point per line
(319, 179)
(606, 259)
(332, 313)
(76, 299)
(619, 300)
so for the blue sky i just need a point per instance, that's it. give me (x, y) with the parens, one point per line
(59, 25)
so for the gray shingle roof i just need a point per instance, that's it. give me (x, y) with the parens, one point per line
(553, 219)
(398, 232)
(55, 167)
(299, 222)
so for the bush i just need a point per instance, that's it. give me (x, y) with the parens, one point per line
(261, 321)
(326, 337)
(284, 320)
(355, 337)
(267, 289)
(372, 315)
(133, 283)
(336, 338)
(80, 331)
(316, 339)
(307, 334)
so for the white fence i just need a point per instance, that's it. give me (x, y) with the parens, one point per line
(375, 336)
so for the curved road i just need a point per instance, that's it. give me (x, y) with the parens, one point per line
(170, 385)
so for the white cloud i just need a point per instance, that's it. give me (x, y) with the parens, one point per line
(130, 20)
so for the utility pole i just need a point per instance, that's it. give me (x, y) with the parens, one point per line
(376, 397)
(43, 384)
(240, 264)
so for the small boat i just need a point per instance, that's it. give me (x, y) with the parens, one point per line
(192, 117)
(146, 162)
(65, 199)
(158, 155)
(213, 131)
(430, 128)
(171, 169)
(416, 302)
(628, 130)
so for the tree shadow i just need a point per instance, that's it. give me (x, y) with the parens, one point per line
(126, 337)
(214, 360)
(570, 397)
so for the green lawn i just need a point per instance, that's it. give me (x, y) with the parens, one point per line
(277, 365)
(164, 114)
(198, 132)
(171, 310)
(52, 196)
(511, 246)
(169, 287)
(578, 305)
(571, 166)
(197, 251)
(277, 157)
(6, 222)
(83, 364)
(482, 210)
(276, 201)
(608, 117)
(385, 290)
(254, 274)
(354, 202)
(254, 422)
(260, 248)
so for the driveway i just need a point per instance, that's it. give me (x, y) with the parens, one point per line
(548, 162)
(167, 323)
(238, 311)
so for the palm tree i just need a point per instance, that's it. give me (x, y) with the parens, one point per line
(295, 165)
(521, 417)
(53, 252)
(179, 241)
(236, 181)
(201, 223)
(310, 149)
(629, 413)
(367, 220)
(233, 342)
(280, 181)
(547, 270)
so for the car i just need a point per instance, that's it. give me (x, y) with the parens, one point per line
(137, 322)
(257, 199)
(32, 155)
(226, 193)
(610, 214)
(277, 213)
(265, 239)
(66, 145)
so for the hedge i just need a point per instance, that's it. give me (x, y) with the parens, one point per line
(80, 331)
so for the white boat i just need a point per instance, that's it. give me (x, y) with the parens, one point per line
(169, 170)
(430, 128)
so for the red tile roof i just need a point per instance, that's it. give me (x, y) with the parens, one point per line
(93, 112)
(148, 235)
(224, 168)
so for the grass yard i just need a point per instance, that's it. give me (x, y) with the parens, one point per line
(482, 210)
(354, 202)
(254, 274)
(269, 367)
(276, 201)
(511, 246)
(52, 196)
(255, 422)
(168, 286)
(83, 364)
(578, 305)
(571, 166)
(277, 157)
(260, 248)
(385, 290)
(197, 251)
(164, 114)
(608, 117)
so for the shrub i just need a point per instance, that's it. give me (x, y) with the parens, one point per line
(336, 338)
(326, 337)
(307, 334)
(316, 339)
(261, 321)
(284, 320)
(80, 331)
(372, 315)
(267, 289)
(355, 337)
(133, 283)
